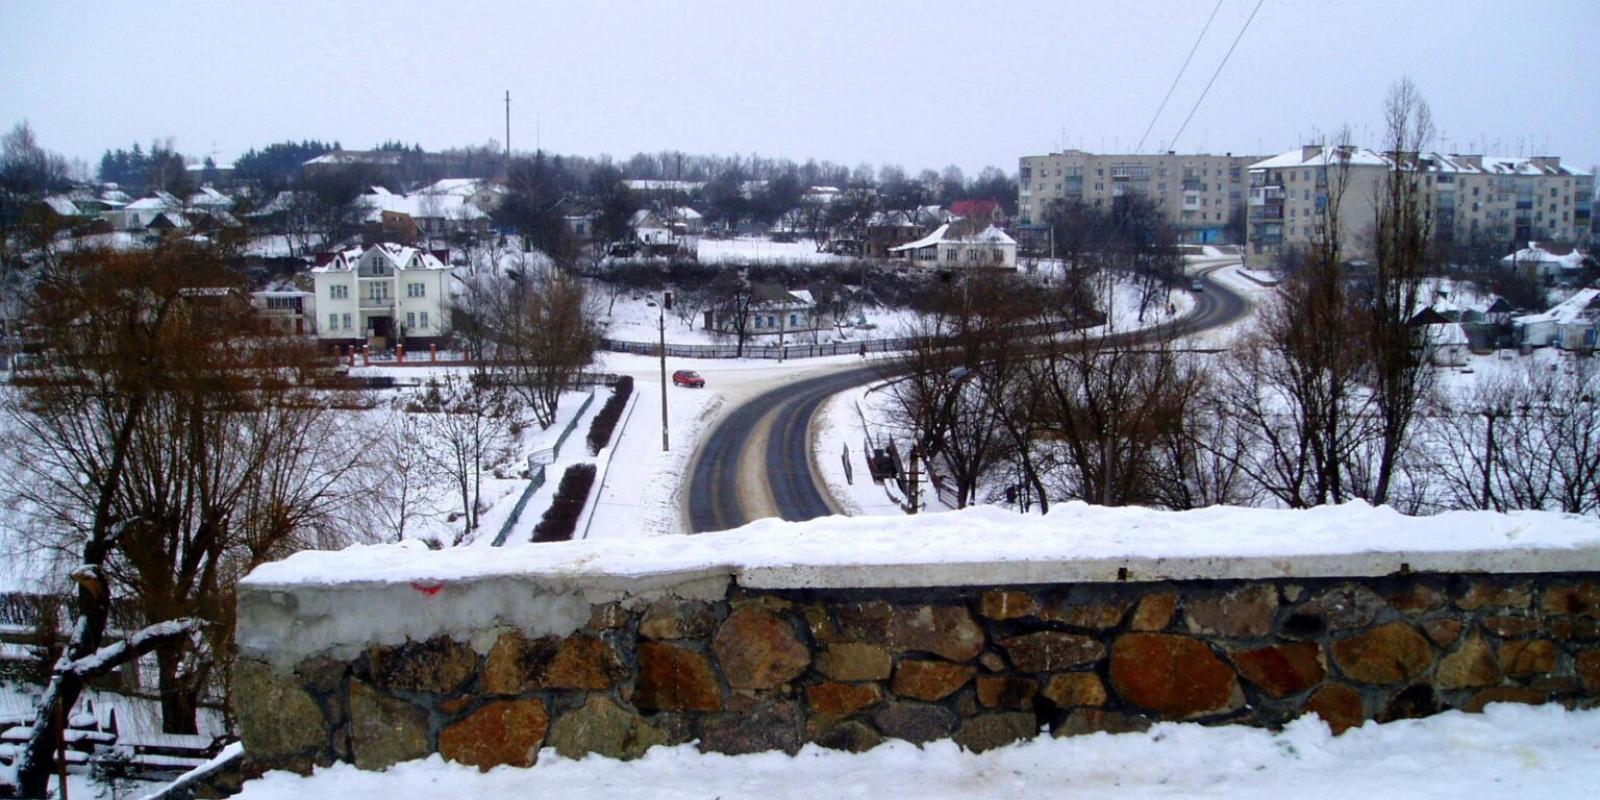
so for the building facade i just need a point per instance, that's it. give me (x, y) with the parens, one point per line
(1196, 193)
(963, 244)
(1498, 199)
(383, 296)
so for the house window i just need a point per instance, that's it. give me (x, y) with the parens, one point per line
(338, 292)
(411, 319)
(794, 320)
(759, 320)
(950, 255)
(415, 290)
(347, 322)
(333, 322)
(423, 318)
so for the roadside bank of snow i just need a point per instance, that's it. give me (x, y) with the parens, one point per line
(1507, 751)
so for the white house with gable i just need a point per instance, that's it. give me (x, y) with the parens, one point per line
(382, 296)
(963, 244)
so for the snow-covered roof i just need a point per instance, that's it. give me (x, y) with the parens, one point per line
(1314, 156)
(160, 201)
(398, 255)
(1538, 253)
(640, 185)
(421, 206)
(686, 213)
(953, 232)
(341, 157)
(1581, 304)
(462, 187)
(62, 206)
(211, 198)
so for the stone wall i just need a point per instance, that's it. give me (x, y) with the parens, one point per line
(773, 669)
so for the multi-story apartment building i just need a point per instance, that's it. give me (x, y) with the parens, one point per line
(1197, 193)
(1489, 198)
(383, 296)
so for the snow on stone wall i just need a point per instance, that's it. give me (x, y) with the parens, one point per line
(981, 627)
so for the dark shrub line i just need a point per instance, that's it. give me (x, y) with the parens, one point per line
(601, 426)
(561, 519)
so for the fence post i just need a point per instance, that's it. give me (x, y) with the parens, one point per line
(433, 353)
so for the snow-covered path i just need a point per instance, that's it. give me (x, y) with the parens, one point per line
(1541, 752)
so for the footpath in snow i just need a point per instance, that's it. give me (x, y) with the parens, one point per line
(1541, 752)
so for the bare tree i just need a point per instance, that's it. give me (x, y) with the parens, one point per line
(1401, 377)
(546, 334)
(409, 479)
(467, 429)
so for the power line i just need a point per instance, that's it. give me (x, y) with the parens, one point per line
(1176, 78)
(1214, 75)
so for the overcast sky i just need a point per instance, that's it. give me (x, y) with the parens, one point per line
(918, 84)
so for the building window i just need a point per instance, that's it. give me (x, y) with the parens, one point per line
(416, 290)
(794, 320)
(758, 321)
(333, 322)
(950, 255)
(347, 322)
(338, 292)
(411, 320)
(424, 320)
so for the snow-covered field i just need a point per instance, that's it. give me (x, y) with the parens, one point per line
(755, 250)
(1542, 752)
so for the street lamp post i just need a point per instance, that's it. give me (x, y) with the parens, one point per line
(666, 299)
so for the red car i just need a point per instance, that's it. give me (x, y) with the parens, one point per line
(688, 377)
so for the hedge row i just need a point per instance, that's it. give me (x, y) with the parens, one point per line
(561, 519)
(601, 426)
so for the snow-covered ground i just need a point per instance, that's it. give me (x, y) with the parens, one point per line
(636, 318)
(753, 250)
(1542, 752)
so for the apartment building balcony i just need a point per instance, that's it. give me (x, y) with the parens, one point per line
(1266, 195)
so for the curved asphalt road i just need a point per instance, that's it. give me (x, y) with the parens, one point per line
(757, 462)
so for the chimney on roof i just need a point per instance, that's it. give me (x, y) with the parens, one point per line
(1310, 151)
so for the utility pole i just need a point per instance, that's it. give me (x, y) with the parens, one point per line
(508, 126)
(666, 299)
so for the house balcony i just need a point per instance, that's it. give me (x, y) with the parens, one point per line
(377, 302)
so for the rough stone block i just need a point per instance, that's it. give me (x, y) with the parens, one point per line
(581, 661)
(1346, 607)
(502, 733)
(1416, 600)
(1003, 605)
(1048, 651)
(1386, 654)
(1527, 656)
(603, 727)
(1504, 694)
(1070, 689)
(277, 718)
(1484, 594)
(673, 678)
(929, 680)
(384, 730)
(990, 731)
(915, 722)
(1281, 670)
(854, 661)
(946, 631)
(1095, 720)
(1575, 599)
(440, 665)
(840, 700)
(1242, 613)
(773, 724)
(670, 619)
(1587, 665)
(1096, 616)
(1154, 612)
(1007, 691)
(758, 650)
(1338, 705)
(1444, 632)
(1470, 666)
(851, 737)
(1174, 676)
